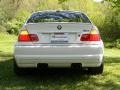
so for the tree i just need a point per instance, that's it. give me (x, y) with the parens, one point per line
(115, 3)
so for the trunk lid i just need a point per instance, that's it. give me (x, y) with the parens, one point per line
(58, 33)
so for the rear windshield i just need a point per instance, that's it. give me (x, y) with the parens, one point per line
(60, 16)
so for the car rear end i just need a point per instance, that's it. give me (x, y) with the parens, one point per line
(59, 39)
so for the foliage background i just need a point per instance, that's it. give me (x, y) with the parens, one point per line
(106, 14)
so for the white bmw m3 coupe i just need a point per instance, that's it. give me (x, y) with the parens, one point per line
(59, 39)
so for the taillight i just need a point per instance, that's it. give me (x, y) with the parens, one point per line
(92, 36)
(24, 36)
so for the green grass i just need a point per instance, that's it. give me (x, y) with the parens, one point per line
(58, 79)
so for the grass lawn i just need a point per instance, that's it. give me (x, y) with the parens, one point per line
(57, 79)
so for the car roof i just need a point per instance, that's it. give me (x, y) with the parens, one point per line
(67, 11)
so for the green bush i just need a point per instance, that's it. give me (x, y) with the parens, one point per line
(117, 43)
(2, 29)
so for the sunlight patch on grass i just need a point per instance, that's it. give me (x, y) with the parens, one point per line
(7, 43)
(114, 52)
(7, 47)
(5, 37)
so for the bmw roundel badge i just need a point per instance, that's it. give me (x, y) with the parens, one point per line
(59, 27)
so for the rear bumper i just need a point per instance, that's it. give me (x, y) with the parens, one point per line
(59, 56)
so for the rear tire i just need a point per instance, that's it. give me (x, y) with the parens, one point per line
(96, 70)
(18, 70)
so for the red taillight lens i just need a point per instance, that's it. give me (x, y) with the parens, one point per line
(25, 37)
(93, 35)
(33, 37)
(90, 37)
